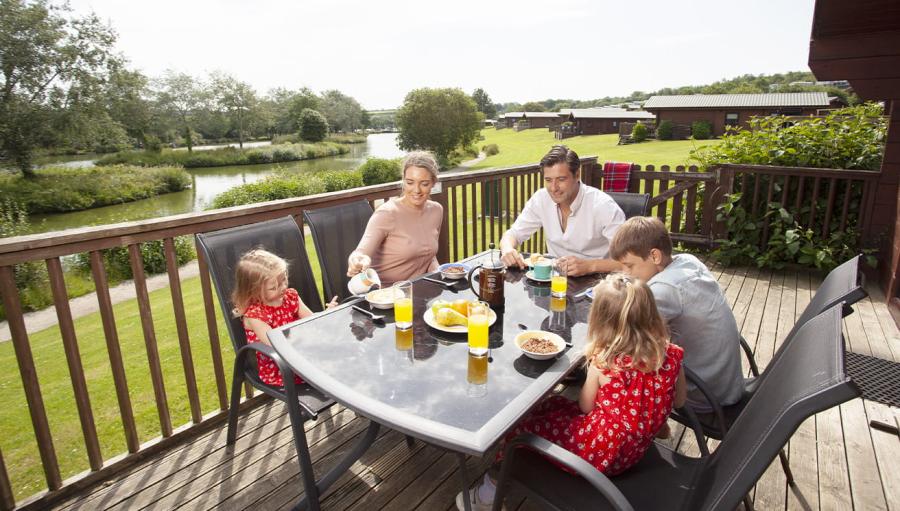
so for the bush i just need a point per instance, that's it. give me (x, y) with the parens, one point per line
(117, 261)
(665, 130)
(313, 125)
(274, 187)
(379, 170)
(61, 189)
(701, 130)
(491, 149)
(336, 180)
(639, 132)
(226, 156)
(14, 222)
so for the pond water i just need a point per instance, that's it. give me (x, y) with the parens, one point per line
(207, 183)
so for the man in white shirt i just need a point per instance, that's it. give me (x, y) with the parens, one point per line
(579, 221)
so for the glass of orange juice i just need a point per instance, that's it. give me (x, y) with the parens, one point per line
(403, 339)
(403, 304)
(558, 282)
(477, 375)
(479, 317)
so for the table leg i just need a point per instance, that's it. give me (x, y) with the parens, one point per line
(463, 474)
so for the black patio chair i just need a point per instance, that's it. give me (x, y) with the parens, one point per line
(336, 231)
(844, 284)
(632, 204)
(807, 378)
(222, 250)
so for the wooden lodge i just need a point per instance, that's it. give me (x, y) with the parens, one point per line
(528, 120)
(598, 121)
(721, 110)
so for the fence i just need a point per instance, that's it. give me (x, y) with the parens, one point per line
(479, 206)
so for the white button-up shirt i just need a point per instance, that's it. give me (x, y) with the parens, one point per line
(593, 221)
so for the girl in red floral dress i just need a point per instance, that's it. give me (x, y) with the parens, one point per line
(262, 297)
(634, 378)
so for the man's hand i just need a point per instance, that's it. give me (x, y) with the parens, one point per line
(576, 266)
(332, 303)
(512, 258)
(357, 262)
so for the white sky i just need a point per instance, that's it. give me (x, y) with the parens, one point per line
(523, 50)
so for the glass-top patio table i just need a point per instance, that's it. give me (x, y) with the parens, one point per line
(422, 388)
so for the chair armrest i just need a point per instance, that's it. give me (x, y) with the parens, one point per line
(748, 352)
(687, 411)
(569, 460)
(698, 382)
(290, 388)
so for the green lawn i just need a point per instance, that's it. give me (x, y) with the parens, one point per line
(528, 146)
(17, 440)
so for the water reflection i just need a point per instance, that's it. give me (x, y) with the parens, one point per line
(209, 182)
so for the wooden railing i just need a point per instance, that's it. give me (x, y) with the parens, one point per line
(479, 206)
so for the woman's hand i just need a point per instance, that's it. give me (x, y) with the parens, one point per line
(357, 262)
(332, 303)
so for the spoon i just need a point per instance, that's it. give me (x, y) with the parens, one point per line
(375, 317)
(448, 285)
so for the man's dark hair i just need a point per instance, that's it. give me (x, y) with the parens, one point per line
(561, 154)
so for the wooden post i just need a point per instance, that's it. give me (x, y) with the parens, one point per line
(443, 254)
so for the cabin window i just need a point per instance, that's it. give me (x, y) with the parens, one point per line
(615, 124)
(731, 119)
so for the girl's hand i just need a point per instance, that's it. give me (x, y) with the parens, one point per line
(332, 303)
(357, 262)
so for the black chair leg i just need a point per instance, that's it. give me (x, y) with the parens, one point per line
(748, 504)
(410, 441)
(787, 468)
(311, 496)
(236, 382)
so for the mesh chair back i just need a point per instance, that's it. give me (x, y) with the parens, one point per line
(632, 204)
(336, 232)
(809, 377)
(223, 249)
(842, 284)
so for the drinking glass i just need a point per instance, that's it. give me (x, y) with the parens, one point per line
(558, 283)
(477, 375)
(403, 339)
(479, 315)
(403, 304)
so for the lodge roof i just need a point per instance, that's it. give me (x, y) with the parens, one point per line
(606, 113)
(530, 114)
(782, 99)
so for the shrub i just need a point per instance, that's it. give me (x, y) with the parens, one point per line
(117, 260)
(336, 180)
(274, 187)
(379, 170)
(639, 132)
(491, 149)
(226, 156)
(665, 130)
(14, 222)
(701, 130)
(313, 125)
(152, 144)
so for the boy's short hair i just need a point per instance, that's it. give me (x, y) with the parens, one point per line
(638, 236)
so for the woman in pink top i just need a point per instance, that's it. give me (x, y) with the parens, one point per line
(401, 239)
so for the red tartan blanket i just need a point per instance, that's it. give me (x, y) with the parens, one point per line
(615, 176)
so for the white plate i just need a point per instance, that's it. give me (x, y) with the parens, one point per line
(530, 275)
(382, 298)
(455, 329)
(550, 336)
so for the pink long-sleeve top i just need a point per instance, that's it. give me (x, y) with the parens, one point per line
(402, 240)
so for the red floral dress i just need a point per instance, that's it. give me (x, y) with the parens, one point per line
(628, 411)
(274, 317)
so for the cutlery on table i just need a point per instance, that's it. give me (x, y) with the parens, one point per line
(448, 285)
(377, 318)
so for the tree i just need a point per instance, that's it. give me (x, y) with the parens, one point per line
(484, 104)
(44, 54)
(534, 106)
(439, 120)
(236, 98)
(182, 96)
(344, 113)
(313, 126)
(298, 102)
(126, 96)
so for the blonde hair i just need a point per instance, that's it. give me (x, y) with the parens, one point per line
(253, 270)
(624, 322)
(423, 159)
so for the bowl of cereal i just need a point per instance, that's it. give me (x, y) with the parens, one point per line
(453, 271)
(540, 345)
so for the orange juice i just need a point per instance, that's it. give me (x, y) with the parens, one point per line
(478, 369)
(558, 304)
(403, 339)
(558, 285)
(478, 333)
(403, 312)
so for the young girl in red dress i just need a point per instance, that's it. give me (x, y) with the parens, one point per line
(262, 297)
(634, 378)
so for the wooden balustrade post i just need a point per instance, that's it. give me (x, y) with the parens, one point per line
(184, 341)
(13, 308)
(212, 328)
(714, 194)
(7, 499)
(443, 254)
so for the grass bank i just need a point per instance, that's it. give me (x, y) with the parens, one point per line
(61, 189)
(227, 155)
(528, 146)
(337, 138)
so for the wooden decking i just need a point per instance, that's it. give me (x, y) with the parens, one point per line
(837, 460)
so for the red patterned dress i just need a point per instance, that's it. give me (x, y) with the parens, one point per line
(628, 411)
(274, 316)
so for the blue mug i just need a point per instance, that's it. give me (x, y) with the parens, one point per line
(543, 269)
